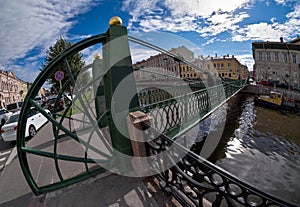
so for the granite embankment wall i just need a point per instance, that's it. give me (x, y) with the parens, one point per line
(262, 90)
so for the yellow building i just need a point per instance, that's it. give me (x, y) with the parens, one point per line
(23, 88)
(226, 67)
(189, 72)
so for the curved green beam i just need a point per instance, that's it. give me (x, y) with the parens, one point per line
(33, 91)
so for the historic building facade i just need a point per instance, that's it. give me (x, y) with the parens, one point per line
(12, 89)
(225, 67)
(165, 65)
(277, 61)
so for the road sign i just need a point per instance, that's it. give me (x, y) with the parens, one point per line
(59, 75)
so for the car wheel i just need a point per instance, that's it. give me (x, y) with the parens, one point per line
(32, 131)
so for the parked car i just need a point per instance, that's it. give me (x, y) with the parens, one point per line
(266, 83)
(34, 122)
(51, 102)
(13, 107)
(4, 115)
(282, 85)
(38, 100)
(296, 88)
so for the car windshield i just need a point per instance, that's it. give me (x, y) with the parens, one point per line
(12, 119)
(11, 106)
(2, 111)
(51, 101)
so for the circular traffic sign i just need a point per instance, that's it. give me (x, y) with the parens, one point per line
(59, 75)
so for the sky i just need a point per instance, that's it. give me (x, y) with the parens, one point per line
(208, 27)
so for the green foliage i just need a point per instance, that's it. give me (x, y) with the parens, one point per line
(75, 61)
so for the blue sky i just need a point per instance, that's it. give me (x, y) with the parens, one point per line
(29, 27)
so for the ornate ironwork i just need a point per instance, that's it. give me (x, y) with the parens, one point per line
(170, 114)
(194, 181)
(154, 95)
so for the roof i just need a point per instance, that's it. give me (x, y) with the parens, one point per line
(275, 45)
(295, 40)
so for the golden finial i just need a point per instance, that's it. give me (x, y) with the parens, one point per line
(115, 21)
(97, 56)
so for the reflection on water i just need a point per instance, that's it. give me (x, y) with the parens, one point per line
(262, 147)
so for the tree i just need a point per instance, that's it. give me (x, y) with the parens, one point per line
(75, 61)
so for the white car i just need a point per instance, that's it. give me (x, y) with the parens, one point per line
(35, 121)
(4, 115)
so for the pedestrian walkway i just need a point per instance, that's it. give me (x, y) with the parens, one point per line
(3, 158)
(104, 190)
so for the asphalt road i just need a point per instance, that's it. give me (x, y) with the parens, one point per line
(12, 181)
(5, 151)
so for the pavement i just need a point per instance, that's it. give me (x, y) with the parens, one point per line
(106, 189)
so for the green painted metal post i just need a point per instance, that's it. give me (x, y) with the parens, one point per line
(118, 64)
(100, 105)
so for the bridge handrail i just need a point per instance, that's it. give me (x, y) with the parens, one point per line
(193, 178)
(186, 109)
(170, 91)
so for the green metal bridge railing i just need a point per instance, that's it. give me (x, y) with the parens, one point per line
(87, 115)
(72, 137)
(176, 115)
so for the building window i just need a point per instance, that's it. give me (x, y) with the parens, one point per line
(294, 58)
(285, 57)
(229, 65)
(276, 57)
(222, 65)
(214, 65)
(268, 56)
(259, 57)
(208, 67)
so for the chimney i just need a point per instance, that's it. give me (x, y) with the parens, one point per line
(232, 56)
(281, 39)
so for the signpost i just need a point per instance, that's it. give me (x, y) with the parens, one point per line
(58, 76)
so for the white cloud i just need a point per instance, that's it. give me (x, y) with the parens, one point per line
(246, 59)
(280, 1)
(207, 17)
(284, 2)
(271, 32)
(273, 19)
(34, 25)
(203, 8)
(219, 23)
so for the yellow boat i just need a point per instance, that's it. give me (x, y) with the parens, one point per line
(274, 100)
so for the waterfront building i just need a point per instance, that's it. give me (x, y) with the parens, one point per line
(166, 65)
(12, 89)
(277, 62)
(225, 67)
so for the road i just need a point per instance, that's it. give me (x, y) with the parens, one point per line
(12, 181)
(5, 151)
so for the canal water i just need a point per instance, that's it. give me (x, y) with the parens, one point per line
(262, 147)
